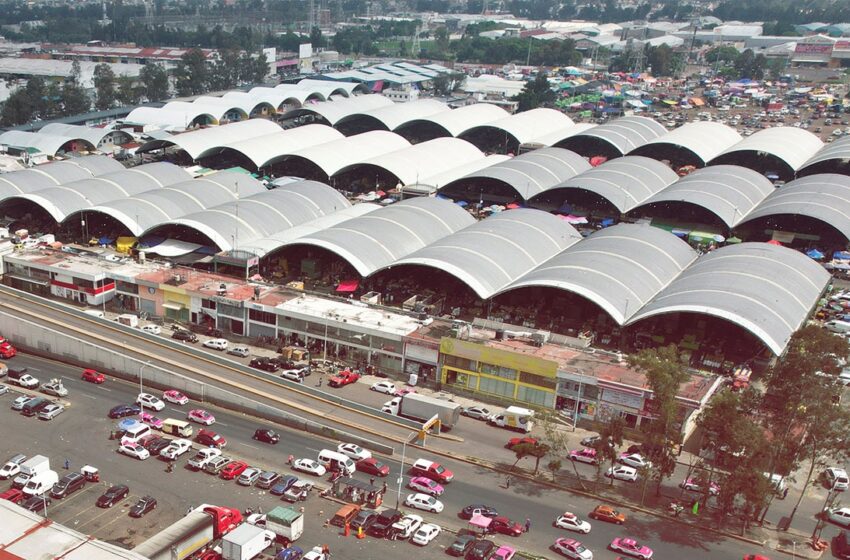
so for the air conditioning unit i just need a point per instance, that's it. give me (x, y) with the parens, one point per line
(540, 338)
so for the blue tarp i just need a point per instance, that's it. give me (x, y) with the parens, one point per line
(841, 255)
(815, 254)
(105, 241)
(607, 222)
(462, 203)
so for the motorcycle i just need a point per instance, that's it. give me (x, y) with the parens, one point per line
(675, 509)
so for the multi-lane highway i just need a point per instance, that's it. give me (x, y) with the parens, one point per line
(81, 434)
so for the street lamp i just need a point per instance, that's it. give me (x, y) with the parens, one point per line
(401, 469)
(141, 371)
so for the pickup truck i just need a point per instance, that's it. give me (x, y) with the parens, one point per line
(203, 457)
(345, 377)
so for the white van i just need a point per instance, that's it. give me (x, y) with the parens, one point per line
(334, 461)
(41, 483)
(838, 327)
(94, 313)
(179, 428)
(135, 433)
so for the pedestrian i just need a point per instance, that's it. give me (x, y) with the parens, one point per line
(290, 460)
(67, 464)
(326, 551)
(527, 524)
(384, 489)
(508, 481)
(319, 384)
(371, 481)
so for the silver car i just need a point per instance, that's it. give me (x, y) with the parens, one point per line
(3, 389)
(51, 411)
(18, 404)
(267, 479)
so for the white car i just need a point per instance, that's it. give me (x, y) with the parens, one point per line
(10, 469)
(386, 387)
(836, 479)
(635, 460)
(354, 451)
(177, 448)
(425, 534)
(146, 400)
(314, 554)
(216, 344)
(477, 412)
(134, 450)
(51, 411)
(622, 472)
(26, 380)
(3, 389)
(572, 522)
(424, 502)
(840, 516)
(152, 329)
(240, 350)
(295, 375)
(407, 525)
(18, 404)
(203, 456)
(249, 476)
(309, 466)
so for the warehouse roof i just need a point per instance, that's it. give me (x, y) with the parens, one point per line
(199, 108)
(333, 156)
(766, 289)
(48, 144)
(730, 192)
(430, 183)
(793, 146)
(622, 135)
(458, 121)
(266, 149)
(620, 268)
(420, 160)
(625, 182)
(234, 223)
(831, 154)
(92, 135)
(249, 102)
(53, 174)
(492, 253)
(557, 137)
(705, 140)
(347, 89)
(824, 197)
(206, 141)
(378, 239)
(334, 111)
(280, 97)
(531, 173)
(526, 126)
(391, 117)
(172, 119)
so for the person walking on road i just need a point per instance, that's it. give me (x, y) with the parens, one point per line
(527, 524)
(67, 464)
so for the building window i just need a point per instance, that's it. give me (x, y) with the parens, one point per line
(539, 380)
(460, 363)
(262, 316)
(230, 310)
(535, 396)
(208, 304)
(80, 283)
(496, 387)
(498, 371)
(127, 287)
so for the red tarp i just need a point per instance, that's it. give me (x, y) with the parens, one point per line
(347, 286)
(774, 242)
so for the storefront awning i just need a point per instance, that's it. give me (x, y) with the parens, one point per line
(173, 306)
(173, 248)
(347, 286)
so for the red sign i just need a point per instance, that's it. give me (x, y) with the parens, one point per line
(842, 45)
(809, 48)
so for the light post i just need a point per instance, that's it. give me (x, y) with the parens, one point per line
(401, 469)
(141, 371)
(793, 549)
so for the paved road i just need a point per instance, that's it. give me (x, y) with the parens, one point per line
(81, 434)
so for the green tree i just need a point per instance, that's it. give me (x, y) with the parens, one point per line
(104, 86)
(554, 466)
(723, 53)
(317, 39)
(749, 65)
(536, 93)
(609, 442)
(17, 109)
(128, 91)
(441, 36)
(192, 74)
(73, 100)
(155, 81)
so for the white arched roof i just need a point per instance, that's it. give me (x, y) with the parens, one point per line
(90, 134)
(620, 268)
(48, 144)
(420, 160)
(438, 180)
(836, 154)
(625, 182)
(765, 289)
(393, 116)
(706, 140)
(528, 125)
(197, 109)
(331, 157)
(557, 137)
(56, 173)
(730, 192)
(347, 88)
(458, 121)
(623, 135)
(492, 253)
(334, 111)
(793, 146)
(264, 150)
(197, 142)
(278, 96)
(378, 239)
(175, 118)
(239, 102)
(233, 224)
(249, 100)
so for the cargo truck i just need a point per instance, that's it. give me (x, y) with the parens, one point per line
(422, 408)
(33, 466)
(194, 532)
(245, 542)
(513, 418)
(286, 523)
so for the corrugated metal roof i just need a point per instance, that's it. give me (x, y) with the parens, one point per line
(837, 152)
(793, 146)
(458, 121)
(706, 140)
(624, 134)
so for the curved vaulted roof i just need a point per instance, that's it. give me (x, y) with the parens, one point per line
(457, 121)
(828, 158)
(237, 102)
(145, 210)
(526, 126)
(790, 145)
(248, 101)
(215, 106)
(378, 239)
(531, 173)
(824, 197)
(175, 118)
(278, 96)
(262, 215)
(625, 182)
(90, 134)
(492, 253)
(264, 150)
(621, 135)
(48, 144)
(334, 111)
(705, 140)
(63, 200)
(198, 142)
(556, 138)
(730, 192)
(420, 160)
(53, 174)
(331, 157)
(391, 117)
(439, 179)
(620, 268)
(766, 289)
(344, 88)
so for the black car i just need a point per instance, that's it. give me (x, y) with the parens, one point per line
(283, 485)
(382, 524)
(156, 446)
(364, 519)
(265, 364)
(185, 336)
(36, 504)
(486, 511)
(123, 410)
(34, 406)
(481, 550)
(461, 545)
(266, 436)
(143, 506)
(112, 496)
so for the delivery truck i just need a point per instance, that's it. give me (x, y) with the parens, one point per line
(245, 542)
(422, 408)
(194, 532)
(513, 418)
(33, 466)
(286, 523)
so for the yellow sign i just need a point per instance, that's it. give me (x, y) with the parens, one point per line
(498, 357)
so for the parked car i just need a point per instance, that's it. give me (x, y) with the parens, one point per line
(19, 402)
(266, 436)
(381, 527)
(13, 495)
(836, 479)
(51, 411)
(36, 504)
(151, 329)
(622, 472)
(215, 464)
(363, 520)
(586, 455)
(267, 479)
(233, 469)
(151, 420)
(157, 446)
(505, 526)
(353, 451)
(433, 470)
(248, 476)
(424, 502)
(477, 412)
(202, 458)
(425, 534)
(12, 466)
(146, 400)
(504, 552)
(210, 438)
(134, 450)
(201, 417)
(219, 344)
(298, 491)
(175, 397)
(572, 522)
(373, 467)
(478, 509)
(386, 387)
(113, 495)
(185, 336)
(406, 526)
(67, 485)
(694, 485)
(177, 448)
(144, 505)
(124, 410)
(54, 388)
(264, 364)
(513, 442)
(283, 484)
(635, 460)
(481, 550)
(309, 466)
(631, 547)
(461, 545)
(571, 548)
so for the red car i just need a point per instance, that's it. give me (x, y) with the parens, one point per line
(210, 439)
(233, 469)
(342, 378)
(7, 351)
(513, 442)
(372, 466)
(506, 526)
(93, 376)
(13, 495)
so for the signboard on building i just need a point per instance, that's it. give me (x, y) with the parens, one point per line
(305, 50)
(813, 48)
(420, 353)
(622, 398)
(271, 59)
(499, 357)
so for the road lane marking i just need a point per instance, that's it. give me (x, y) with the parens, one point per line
(107, 511)
(90, 396)
(247, 445)
(222, 424)
(105, 389)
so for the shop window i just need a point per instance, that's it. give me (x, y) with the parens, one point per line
(496, 387)
(229, 310)
(536, 396)
(460, 363)
(262, 316)
(208, 304)
(498, 371)
(539, 380)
